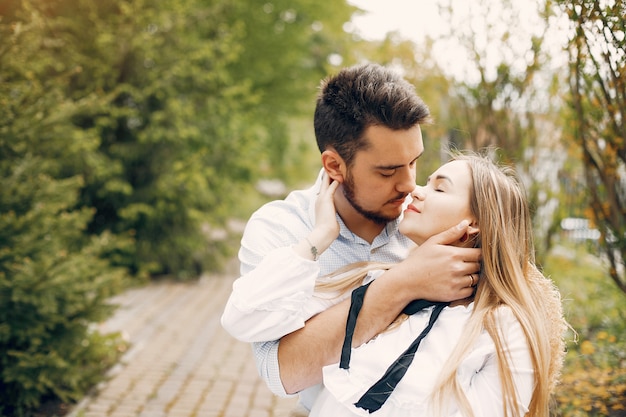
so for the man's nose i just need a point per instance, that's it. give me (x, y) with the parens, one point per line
(406, 182)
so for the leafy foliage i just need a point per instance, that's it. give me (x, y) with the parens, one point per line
(598, 102)
(130, 131)
(505, 101)
(284, 51)
(593, 382)
(158, 166)
(54, 278)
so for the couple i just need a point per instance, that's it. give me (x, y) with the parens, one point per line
(494, 343)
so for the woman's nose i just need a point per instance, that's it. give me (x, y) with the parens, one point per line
(418, 193)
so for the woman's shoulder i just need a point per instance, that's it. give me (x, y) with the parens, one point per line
(505, 316)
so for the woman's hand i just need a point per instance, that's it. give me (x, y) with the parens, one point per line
(326, 227)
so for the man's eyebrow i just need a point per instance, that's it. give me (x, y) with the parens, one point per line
(389, 167)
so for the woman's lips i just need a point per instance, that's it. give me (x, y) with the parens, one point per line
(411, 207)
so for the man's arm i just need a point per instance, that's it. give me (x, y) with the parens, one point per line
(434, 271)
(273, 298)
(275, 226)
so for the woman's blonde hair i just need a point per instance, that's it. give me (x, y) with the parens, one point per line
(508, 277)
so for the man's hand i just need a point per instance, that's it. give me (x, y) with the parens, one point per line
(438, 271)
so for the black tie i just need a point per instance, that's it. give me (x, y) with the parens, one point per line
(378, 393)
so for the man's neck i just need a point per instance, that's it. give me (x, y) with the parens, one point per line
(361, 226)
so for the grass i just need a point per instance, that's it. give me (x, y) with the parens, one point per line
(593, 382)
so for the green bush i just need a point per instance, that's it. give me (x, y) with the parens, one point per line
(128, 129)
(53, 284)
(593, 383)
(54, 277)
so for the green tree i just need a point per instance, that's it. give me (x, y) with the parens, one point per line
(597, 50)
(284, 51)
(54, 279)
(173, 142)
(128, 129)
(507, 100)
(189, 101)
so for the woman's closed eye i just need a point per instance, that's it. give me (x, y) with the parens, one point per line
(436, 186)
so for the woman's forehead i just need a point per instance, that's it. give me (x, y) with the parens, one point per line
(453, 169)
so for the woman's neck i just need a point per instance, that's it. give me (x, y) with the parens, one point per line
(464, 302)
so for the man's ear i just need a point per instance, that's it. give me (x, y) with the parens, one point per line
(334, 165)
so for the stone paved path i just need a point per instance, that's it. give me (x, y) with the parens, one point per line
(181, 362)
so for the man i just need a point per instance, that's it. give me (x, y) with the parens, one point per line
(367, 125)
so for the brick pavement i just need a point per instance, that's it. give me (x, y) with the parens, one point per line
(181, 363)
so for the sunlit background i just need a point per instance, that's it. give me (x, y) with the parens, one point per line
(136, 138)
(487, 21)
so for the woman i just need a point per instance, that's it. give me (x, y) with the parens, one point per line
(497, 353)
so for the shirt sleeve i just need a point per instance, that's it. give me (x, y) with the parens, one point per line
(271, 228)
(273, 299)
(266, 358)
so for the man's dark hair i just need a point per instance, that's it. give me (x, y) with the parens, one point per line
(362, 96)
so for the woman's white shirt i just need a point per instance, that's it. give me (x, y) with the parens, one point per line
(478, 373)
(281, 302)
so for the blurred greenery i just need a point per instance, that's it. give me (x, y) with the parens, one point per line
(134, 134)
(596, 121)
(130, 134)
(593, 382)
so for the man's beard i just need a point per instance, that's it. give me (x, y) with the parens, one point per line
(376, 217)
